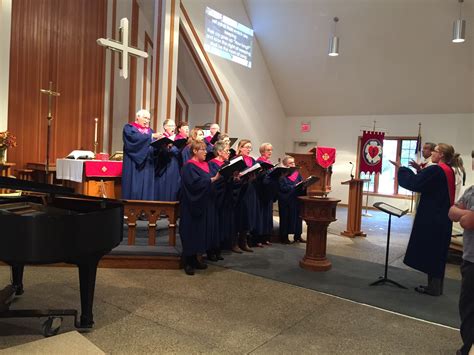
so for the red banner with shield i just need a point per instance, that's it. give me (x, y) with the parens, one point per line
(325, 156)
(371, 152)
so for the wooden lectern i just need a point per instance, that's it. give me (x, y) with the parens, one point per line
(317, 213)
(354, 212)
(308, 166)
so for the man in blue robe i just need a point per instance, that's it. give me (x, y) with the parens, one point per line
(138, 168)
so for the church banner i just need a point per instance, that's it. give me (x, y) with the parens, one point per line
(325, 156)
(371, 152)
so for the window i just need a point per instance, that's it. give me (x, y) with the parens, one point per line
(397, 149)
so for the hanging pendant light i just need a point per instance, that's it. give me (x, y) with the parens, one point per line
(459, 27)
(334, 42)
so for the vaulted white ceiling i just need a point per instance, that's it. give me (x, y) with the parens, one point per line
(396, 56)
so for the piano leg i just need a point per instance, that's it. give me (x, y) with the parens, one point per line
(17, 278)
(87, 276)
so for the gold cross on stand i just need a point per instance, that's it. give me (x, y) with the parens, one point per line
(50, 94)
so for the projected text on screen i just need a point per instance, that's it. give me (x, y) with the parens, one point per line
(228, 38)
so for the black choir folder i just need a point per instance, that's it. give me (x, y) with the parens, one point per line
(307, 182)
(253, 169)
(164, 141)
(234, 165)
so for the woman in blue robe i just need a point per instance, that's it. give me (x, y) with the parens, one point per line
(196, 135)
(167, 177)
(289, 205)
(224, 200)
(197, 216)
(267, 192)
(138, 165)
(246, 208)
(430, 237)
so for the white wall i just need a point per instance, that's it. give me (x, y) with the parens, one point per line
(342, 132)
(255, 110)
(5, 30)
(200, 114)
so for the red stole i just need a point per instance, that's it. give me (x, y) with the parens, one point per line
(248, 160)
(179, 136)
(263, 159)
(218, 162)
(200, 164)
(141, 129)
(293, 176)
(448, 171)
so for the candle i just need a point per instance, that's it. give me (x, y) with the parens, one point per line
(95, 131)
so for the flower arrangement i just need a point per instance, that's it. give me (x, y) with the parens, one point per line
(7, 140)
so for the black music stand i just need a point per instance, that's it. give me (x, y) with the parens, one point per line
(390, 210)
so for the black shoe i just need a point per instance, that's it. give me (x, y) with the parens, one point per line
(188, 269)
(199, 264)
(212, 257)
(219, 257)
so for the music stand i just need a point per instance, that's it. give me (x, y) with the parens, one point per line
(390, 210)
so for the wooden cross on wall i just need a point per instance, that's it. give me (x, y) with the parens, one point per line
(122, 47)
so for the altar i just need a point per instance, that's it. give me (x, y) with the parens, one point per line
(100, 178)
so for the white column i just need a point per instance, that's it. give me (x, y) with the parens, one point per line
(5, 31)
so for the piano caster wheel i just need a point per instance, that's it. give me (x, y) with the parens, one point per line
(51, 326)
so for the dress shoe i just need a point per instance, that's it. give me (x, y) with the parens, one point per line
(199, 264)
(236, 249)
(428, 291)
(212, 257)
(188, 269)
(246, 248)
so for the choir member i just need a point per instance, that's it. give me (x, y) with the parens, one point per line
(138, 165)
(197, 217)
(267, 192)
(224, 202)
(196, 135)
(182, 130)
(213, 129)
(289, 205)
(427, 249)
(167, 175)
(246, 208)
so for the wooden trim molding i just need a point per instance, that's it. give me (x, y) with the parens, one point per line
(170, 60)
(157, 48)
(148, 45)
(186, 105)
(112, 77)
(133, 60)
(203, 52)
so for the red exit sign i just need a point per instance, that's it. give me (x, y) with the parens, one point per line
(305, 127)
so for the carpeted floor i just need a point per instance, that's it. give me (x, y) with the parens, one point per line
(350, 278)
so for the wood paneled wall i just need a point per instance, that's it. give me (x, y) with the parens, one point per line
(55, 40)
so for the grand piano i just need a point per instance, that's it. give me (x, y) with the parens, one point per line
(50, 224)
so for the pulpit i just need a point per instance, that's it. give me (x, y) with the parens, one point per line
(354, 211)
(318, 213)
(309, 166)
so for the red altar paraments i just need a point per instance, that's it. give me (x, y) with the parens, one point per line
(96, 168)
(325, 156)
(371, 152)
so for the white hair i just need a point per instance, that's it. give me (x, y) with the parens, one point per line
(214, 125)
(143, 113)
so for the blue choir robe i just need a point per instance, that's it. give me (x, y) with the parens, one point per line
(168, 177)
(267, 192)
(197, 216)
(289, 206)
(224, 205)
(138, 165)
(430, 237)
(246, 207)
(186, 154)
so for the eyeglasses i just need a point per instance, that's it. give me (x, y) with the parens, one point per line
(249, 148)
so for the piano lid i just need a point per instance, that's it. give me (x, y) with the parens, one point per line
(16, 184)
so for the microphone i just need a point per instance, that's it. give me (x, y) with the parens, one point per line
(352, 168)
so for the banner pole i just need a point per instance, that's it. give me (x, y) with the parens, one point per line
(366, 214)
